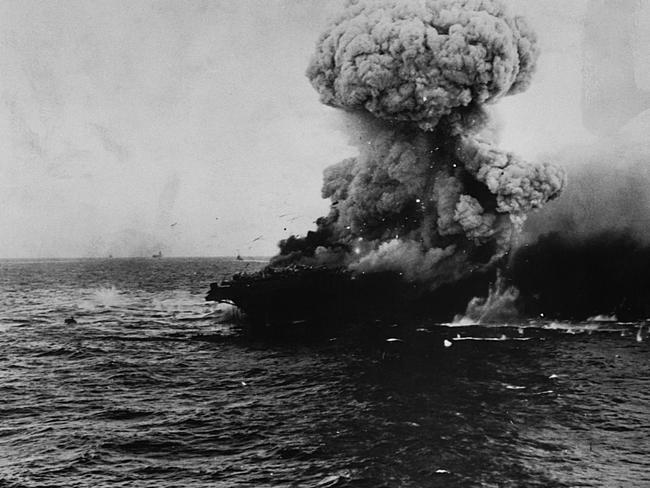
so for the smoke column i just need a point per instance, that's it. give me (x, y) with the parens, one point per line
(429, 195)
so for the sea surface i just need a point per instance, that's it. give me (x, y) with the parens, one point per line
(154, 387)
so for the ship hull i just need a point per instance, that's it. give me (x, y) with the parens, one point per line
(330, 298)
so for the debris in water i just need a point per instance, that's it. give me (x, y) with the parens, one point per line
(640, 335)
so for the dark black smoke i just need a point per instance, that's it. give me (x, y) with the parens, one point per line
(588, 253)
(429, 197)
(569, 278)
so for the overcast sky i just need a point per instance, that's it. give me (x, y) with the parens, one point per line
(128, 127)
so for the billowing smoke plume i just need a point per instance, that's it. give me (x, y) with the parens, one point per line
(417, 61)
(429, 195)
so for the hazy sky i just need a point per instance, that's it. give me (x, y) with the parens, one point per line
(128, 127)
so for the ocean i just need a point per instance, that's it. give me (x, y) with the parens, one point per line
(154, 387)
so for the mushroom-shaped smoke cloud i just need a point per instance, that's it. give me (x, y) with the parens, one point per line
(417, 61)
(429, 195)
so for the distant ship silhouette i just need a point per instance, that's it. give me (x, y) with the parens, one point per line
(610, 96)
(158, 255)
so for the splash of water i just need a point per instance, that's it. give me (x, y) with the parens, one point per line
(500, 306)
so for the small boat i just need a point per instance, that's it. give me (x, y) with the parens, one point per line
(239, 258)
(158, 255)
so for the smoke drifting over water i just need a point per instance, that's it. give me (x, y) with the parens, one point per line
(429, 196)
(590, 253)
(608, 192)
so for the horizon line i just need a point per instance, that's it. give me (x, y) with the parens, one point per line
(228, 256)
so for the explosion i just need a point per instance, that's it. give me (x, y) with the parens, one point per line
(429, 195)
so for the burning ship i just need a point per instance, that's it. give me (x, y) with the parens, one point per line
(424, 214)
(324, 296)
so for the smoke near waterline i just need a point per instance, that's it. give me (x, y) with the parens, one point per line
(429, 195)
(589, 253)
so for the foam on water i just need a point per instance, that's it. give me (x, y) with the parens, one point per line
(603, 318)
(108, 297)
(461, 321)
(153, 387)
